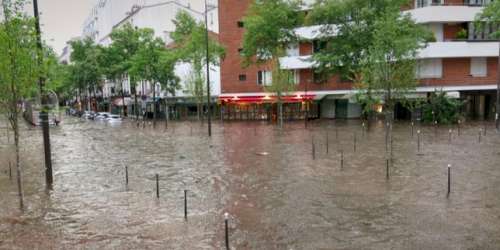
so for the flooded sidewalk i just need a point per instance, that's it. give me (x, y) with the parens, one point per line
(324, 187)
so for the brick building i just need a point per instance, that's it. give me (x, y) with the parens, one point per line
(461, 61)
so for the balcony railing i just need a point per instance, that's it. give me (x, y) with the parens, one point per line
(472, 3)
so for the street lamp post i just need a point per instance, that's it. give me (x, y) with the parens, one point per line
(43, 114)
(209, 115)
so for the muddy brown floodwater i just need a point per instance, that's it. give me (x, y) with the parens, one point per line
(277, 196)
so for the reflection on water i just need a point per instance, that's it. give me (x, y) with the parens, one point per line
(277, 195)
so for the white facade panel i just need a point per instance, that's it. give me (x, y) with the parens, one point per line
(478, 67)
(444, 14)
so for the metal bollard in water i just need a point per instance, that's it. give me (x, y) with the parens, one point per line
(412, 127)
(157, 186)
(327, 142)
(449, 180)
(226, 226)
(10, 171)
(126, 175)
(313, 149)
(418, 140)
(387, 169)
(185, 205)
(354, 144)
(449, 136)
(341, 159)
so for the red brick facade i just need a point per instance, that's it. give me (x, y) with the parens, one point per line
(456, 71)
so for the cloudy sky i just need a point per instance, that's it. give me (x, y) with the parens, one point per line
(63, 20)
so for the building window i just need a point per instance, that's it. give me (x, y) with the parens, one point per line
(319, 46)
(295, 76)
(430, 68)
(264, 78)
(240, 24)
(242, 77)
(425, 3)
(319, 77)
(478, 67)
(293, 49)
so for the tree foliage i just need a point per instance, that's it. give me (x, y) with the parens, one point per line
(356, 25)
(269, 28)
(441, 108)
(490, 15)
(190, 42)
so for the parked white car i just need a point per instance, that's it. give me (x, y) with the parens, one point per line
(102, 116)
(114, 119)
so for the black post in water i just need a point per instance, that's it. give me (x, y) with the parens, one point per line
(327, 142)
(479, 135)
(485, 128)
(363, 128)
(449, 180)
(10, 171)
(157, 186)
(226, 222)
(418, 140)
(341, 159)
(126, 175)
(449, 136)
(412, 127)
(185, 205)
(313, 149)
(435, 129)
(458, 127)
(355, 139)
(387, 169)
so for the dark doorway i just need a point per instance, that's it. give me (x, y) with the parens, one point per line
(401, 112)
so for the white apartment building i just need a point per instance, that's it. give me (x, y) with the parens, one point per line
(158, 15)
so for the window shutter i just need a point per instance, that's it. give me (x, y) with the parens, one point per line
(478, 67)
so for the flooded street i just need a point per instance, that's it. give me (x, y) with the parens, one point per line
(277, 195)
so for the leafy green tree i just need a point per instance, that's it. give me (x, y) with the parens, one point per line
(86, 68)
(490, 15)
(117, 59)
(442, 109)
(18, 73)
(349, 28)
(269, 29)
(190, 43)
(389, 67)
(154, 63)
(282, 83)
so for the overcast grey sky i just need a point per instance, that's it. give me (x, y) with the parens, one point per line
(63, 20)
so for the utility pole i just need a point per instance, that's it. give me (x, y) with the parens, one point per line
(209, 115)
(44, 116)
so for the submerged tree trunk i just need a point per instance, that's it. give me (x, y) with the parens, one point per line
(18, 165)
(166, 113)
(280, 111)
(124, 107)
